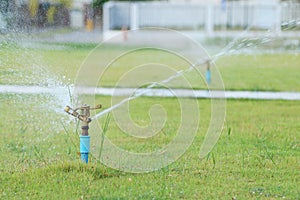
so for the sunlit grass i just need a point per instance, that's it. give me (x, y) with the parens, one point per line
(50, 66)
(257, 155)
(273, 72)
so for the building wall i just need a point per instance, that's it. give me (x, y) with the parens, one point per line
(237, 15)
(196, 1)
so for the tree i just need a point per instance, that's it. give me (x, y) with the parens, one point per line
(4, 4)
(65, 3)
(33, 7)
(99, 3)
(8, 11)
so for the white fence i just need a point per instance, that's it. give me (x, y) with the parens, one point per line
(209, 18)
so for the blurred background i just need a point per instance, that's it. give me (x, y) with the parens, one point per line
(209, 16)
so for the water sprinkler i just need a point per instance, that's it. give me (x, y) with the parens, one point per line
(84, 117)
(207, 73)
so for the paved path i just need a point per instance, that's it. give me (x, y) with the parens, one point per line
(16, 89)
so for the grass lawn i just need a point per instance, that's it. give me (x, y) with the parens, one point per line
(256, 157)
(273, 72)
(50, 64)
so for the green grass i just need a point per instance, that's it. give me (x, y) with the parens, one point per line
(47, 64)
(256, 157)
(273, 72)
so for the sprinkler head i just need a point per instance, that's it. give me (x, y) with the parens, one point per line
(84, 114)
(98, 106)
(67, 109)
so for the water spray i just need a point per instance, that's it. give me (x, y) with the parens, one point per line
(84, 117)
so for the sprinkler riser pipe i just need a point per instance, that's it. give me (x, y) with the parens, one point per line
(85, 130)
(85, 147)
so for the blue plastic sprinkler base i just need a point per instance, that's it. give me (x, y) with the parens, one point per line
(84, 157)
(208, 77)
(84, 148)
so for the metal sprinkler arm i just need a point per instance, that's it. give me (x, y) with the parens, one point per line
(208, 62)
(85, 112)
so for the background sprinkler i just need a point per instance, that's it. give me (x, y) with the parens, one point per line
(207, 73)
(83, 116)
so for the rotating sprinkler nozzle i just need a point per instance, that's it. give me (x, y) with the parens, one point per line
(84, 117)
